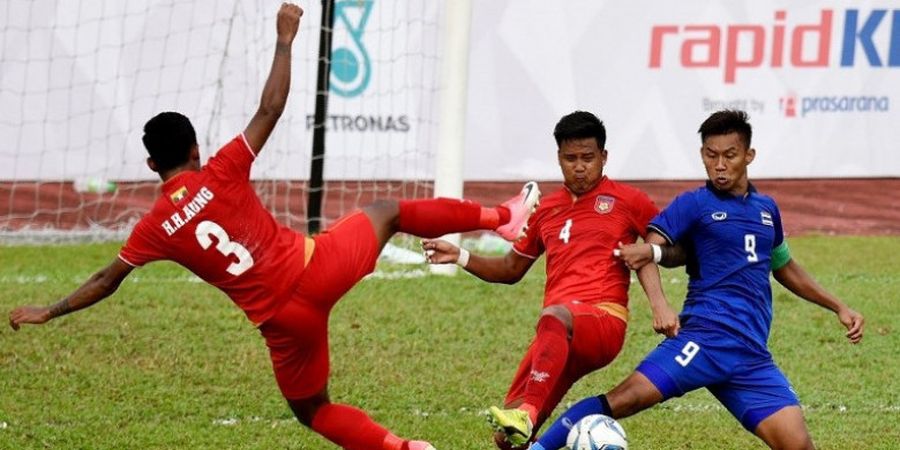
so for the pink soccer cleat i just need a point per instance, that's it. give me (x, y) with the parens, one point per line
(420, 445)
(520, 209)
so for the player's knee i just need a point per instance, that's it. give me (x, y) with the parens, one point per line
(305, 409)
(634, 395)
(384, 214)
(560, 313)
(792, 440)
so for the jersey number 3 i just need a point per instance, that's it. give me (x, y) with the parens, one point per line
(227, 248)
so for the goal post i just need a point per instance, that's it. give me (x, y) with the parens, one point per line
(448, 179)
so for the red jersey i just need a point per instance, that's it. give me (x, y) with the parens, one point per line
(212, 223)
(579, 236)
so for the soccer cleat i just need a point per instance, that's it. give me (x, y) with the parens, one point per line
(520, 209)
(514, 423)
(420, 445)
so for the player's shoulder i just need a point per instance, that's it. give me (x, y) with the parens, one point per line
(698, 195)
(558, 197)
(625, 190)
(764, 198)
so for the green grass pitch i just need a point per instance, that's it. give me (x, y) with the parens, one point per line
(170, 363)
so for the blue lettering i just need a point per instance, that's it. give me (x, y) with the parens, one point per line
(894, 57)
(864, 35)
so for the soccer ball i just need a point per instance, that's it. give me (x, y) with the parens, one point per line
(597, 432)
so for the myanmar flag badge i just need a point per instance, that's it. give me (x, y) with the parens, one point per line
(179, 194)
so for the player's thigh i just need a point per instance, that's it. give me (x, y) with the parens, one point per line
(785, 429)
(297, 338)
(691, 360)
(344, 253)
(597, 338)
(756, 390)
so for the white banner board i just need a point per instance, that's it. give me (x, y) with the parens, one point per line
(821, 81)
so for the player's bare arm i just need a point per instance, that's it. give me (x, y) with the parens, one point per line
(275, 92)
(507, 269)
(797, 280)
(99, 286)
(637, 255)
(665, 319)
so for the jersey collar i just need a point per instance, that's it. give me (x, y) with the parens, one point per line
(751, 189)
(603, 182)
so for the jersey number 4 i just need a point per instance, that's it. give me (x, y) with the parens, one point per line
(566, 231)
(208, 228)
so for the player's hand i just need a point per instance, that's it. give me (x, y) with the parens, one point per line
(634, 256)
(288, 21)
(854, 323)
(28, 314)
(439, 252)
(665, 321)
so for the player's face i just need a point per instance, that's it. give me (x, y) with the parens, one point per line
(581, 161)
(726, 158)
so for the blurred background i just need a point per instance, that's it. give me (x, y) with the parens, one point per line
(420, 86)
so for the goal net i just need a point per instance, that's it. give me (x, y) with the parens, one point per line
(80, 78)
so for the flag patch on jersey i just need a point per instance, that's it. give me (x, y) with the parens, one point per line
(766, 218)
(179, 194)
(604, 204)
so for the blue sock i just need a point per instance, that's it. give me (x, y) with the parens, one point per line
(555, 436)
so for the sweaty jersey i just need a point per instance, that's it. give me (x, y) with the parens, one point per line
(579, 236)
(212, 223)
(729, 242)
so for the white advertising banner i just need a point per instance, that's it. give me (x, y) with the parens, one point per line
(820, 80)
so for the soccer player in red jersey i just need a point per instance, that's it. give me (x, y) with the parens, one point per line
(582, 324)
(209, 220)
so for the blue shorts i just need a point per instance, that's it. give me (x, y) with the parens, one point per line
(745, 380)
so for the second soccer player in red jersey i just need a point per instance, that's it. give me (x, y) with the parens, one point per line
(209, 220)
(582, 324)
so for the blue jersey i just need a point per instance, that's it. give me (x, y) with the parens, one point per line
(729, 242)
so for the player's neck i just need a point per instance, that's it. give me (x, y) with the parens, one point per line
(173, 172)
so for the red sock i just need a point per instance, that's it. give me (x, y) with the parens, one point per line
(551, 350)
(436, 217)
(348, 427)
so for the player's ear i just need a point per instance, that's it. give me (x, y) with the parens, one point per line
(751, 155)
(195, 153)
(152, 164)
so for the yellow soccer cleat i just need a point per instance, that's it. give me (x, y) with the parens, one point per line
(514, 423)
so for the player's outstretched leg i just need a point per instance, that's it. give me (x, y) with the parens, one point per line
(431, 218)
(349, 427)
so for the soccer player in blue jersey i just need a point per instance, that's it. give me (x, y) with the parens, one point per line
(732, 238)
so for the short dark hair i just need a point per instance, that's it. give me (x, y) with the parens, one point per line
(169, 137)
(727, 121)
(580, 125)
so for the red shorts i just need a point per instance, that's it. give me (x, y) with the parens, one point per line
(597, 337)
(297, 335)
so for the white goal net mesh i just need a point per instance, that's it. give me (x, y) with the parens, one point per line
(80, 78)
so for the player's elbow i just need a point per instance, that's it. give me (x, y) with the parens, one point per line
(271, 110)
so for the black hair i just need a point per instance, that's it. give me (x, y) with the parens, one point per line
(727, 121)
(169, 137)
(580, 125)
